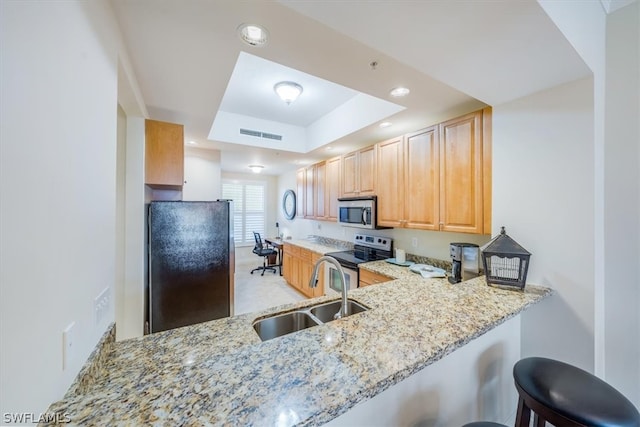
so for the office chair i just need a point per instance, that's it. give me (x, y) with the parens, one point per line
(265, 252)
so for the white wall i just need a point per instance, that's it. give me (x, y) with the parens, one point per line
(130, 304)
(58, 178)
(610, 45)
(473, 383)
(202, 175)
(543, 150)
(622, 202)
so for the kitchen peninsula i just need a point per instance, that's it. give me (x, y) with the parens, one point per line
(220, 373)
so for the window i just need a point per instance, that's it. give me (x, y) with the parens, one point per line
(249, 209)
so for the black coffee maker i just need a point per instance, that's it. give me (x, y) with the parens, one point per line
(466, 261)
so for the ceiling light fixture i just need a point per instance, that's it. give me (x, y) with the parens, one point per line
(253, 34)
(256, 168)
(193, 143)
(399, 91)
(288, 91)
(385, 124)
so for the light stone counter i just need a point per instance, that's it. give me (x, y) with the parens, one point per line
(220, 373)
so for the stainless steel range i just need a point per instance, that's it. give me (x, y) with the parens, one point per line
(366, 248)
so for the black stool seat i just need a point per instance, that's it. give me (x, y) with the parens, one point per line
(563, 394)
(483, 424)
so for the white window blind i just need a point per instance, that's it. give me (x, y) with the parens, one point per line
(249, 209)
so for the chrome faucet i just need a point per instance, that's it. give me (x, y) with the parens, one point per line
(314, 282)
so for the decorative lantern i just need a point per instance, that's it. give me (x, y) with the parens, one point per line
(505, 262)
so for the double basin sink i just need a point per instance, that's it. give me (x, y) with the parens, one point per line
(283, 324)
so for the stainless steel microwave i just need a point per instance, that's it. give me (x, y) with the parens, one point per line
(359, 212)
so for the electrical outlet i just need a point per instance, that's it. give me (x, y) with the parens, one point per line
(414, 242)
(68, 345)
(101, 305)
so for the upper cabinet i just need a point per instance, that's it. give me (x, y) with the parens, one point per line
(164, 155)
(300, 189)
(321, 188)
(390, 185)
(359, 172)
(462, 174)
(438, 178)
(332, 188)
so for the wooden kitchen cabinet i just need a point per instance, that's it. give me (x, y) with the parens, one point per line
(320, 185)
(368, 278)
(297, 268)
(422, 180)
(438, 178)
(300, 190)
(461, 174)
(164, 155)
(359, 173)
(332, 188)
(390, 185)
(309, 198)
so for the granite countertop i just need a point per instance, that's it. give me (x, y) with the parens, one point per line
(220, 373)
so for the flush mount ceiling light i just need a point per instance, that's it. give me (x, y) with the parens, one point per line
(288, 91)
(256, 168)
(253, 34)
(397, 92)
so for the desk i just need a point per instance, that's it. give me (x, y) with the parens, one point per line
(278, 245)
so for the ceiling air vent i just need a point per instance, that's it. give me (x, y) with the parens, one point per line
(260, 134)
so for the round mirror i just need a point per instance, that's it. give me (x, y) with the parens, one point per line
(289, 204)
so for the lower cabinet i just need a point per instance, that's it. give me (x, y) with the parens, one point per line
(368, 278)
(297, 267)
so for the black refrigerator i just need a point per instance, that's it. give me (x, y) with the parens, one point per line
(191, 263)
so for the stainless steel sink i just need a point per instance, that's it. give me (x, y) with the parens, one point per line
(283, 324)
(326, 312)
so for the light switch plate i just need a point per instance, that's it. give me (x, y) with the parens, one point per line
(414, 242)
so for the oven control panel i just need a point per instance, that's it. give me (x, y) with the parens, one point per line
(378, 242)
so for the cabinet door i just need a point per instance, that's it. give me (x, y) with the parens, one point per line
(391, 182)
(300, 187)
(368, 278)
(367, 171)
(461, 168)
(164, 155)
(332, 188)
(349, 175)
(422, 180)
(287, 267)
(309, 200)
(319, 190)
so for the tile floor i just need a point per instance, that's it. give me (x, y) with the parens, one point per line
(254, 292)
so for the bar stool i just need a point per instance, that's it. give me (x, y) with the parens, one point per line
(566, 396)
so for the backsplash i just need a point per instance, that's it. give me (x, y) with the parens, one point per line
(341, 244)
(445, 265)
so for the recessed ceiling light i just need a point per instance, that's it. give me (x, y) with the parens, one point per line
(399, 91)
(329, 148)
(288, 91)
(385, 124)
(252, 34)
(256, 168)
(193, 143)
